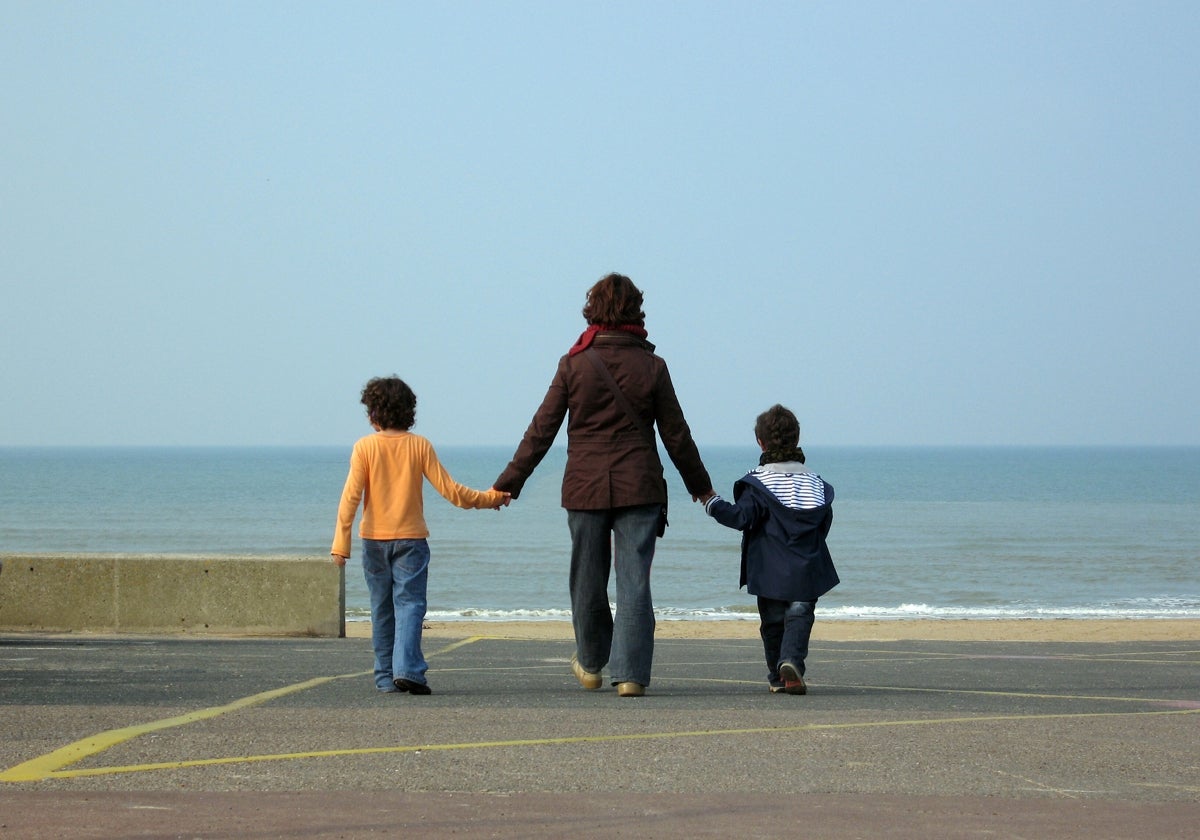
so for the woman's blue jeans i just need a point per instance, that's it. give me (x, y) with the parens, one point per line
(623, 538)
(397, 573)
(785, 629)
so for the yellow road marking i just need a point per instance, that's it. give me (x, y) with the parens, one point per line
(590, 739)
(51, 765)
(993, 693)
(1186, 788)
(1169, 657)
(45, 766)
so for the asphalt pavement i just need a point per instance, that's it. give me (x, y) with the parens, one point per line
(215, 737)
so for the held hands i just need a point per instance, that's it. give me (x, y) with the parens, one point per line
(705, 496)
(339, 560)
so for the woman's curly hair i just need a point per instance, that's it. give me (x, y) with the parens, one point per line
(613, 302)
(778, 430)
(390, 403)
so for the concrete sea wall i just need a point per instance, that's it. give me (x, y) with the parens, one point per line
(148, 593)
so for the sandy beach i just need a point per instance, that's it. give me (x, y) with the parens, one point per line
(1024, 630)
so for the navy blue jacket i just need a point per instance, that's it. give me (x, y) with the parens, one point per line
(784, 555)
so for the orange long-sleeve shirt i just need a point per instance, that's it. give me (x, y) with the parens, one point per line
(386, 474)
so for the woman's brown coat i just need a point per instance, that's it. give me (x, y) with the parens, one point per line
(610, 463)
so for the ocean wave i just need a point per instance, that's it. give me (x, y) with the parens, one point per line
(1175, 608)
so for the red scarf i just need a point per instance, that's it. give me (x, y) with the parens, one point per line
(585, 339)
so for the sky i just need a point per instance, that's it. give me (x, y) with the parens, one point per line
(913, 223)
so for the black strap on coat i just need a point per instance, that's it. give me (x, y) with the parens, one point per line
(623, 401)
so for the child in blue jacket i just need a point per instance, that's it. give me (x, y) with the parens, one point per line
(784, 512)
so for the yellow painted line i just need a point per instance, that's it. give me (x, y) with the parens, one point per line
(1034, 784)
(595, 739)
(456, 645)
(1169, 657)
(1026, 695)
(45, 766)
(1185, 788)
(992, 693)
(50, 764)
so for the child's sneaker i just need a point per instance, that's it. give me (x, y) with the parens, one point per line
(793, 683)
(776, 686)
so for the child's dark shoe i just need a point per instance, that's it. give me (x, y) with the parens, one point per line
(412, 686)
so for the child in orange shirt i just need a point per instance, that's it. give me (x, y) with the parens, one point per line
(387, 471)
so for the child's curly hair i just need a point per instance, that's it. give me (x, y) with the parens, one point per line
(390, 403)
(778, 430)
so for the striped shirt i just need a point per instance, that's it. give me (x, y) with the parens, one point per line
(796, 490)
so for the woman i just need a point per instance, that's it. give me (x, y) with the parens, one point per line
(613, 390)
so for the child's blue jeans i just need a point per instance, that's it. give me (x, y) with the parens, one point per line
(785, 628)
(397, 573)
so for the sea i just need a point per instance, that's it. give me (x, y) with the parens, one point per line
(935, 533)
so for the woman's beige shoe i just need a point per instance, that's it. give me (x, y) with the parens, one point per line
(588, 679)
(630, 689)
